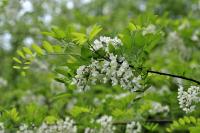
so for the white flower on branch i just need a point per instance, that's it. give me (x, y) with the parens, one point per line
(107, 71)
(187, 99)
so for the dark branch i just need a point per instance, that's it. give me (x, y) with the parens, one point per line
(175, 76)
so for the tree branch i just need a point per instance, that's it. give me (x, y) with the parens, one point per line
(173, 75)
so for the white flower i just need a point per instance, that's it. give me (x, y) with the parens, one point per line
(114, 69)
(133, 127)
(157, 108)
(104, 71)
(195, 36)
(150, 29)
(106, 124)
(187, 99)
(104, 42)
(2, 127)
(66, 126)
(3, 82)
(89, 130)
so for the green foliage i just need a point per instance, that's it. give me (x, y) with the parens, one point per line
(156, 35)
(184, 123)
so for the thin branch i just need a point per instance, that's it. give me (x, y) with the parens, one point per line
(150, 120)
(173, 75)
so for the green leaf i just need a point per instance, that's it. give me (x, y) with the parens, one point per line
(181, 121)
(50, 119)
(186, 119)
(94, 31)
(13, 115)
(49, 34)
(25, 67)
(37, 49)
(27, 51)
(21, 54)
(64, 70)
(77, 110)
(17, 60)
(57, 48)
(194, 129)
(133, 27)
(17, 67)
(79, 38)
(169, 130)
(192, 119)
(85, 52)
(58, 32)
(48, 47)
(111, 48)
(175, 124)
(27, 63)
(60, 96)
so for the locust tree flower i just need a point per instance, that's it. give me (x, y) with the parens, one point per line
(150, 29)
(66, 126)
(104, 42)
(187, 99)
(107, 71)
(2, 129)
(157, 108)
(133, 127)
(105, 123)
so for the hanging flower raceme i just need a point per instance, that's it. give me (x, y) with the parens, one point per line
(133, 127)
(105, 123)
(187, 99)
(114, 69)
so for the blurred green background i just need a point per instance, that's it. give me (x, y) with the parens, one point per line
(22, 21)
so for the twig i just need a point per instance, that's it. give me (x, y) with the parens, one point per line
(175, 76)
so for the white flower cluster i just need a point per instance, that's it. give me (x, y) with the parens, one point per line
(24, 129)
(187, 99)
(89, 130)
(133, 127)
(104, 42)
(3, 82)
(150, 29)
(30, 97)
(2, 130)
(67, 126)
(57, 87)
(157, 108)
(195, 36)
(106, 124)
(107, 71)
